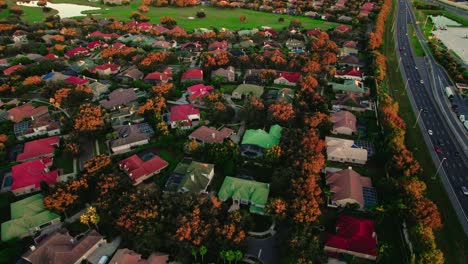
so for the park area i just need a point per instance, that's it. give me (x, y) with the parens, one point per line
(185, 17)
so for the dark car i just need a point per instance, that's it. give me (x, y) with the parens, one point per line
(437, 149)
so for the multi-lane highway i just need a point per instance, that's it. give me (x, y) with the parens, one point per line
(446, 141)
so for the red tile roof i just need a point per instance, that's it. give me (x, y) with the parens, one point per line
(272, 52)
(193, 74)
(342, 28)
(103, 35)
(10, 70)
(38, 148)
(270, 31)
(118, 45)
(314, 32)
(96, 44)
(210, 134)
(292, 77)
(160, 28)
(199, 91)
(350, 71)
(51, 56)
(111, 66)
(350, 44)
(138, 168)
(27, 110)
(76, 80)
(76, 51)
(218, 45)
(163, 76)
(178, 30)
(145, 26)
(32, 173)
(353, 234)
(181, 112)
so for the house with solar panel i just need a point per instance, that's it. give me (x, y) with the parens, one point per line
(348, 187)
(190, 176)
(28, 216)
(345, 151)
(245, 192)
(255, 141)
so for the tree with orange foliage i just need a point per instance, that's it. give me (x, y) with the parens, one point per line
(143, 8)
(277, 206)
(3, 140)
(168, 21)
(192, 146)
(268, 76)
(89, 118)
(162, 89)
(156, 104)
(97, 164)
(414, 188)
(60, 94)
(380, 65)
(308, 84)
(193, 228)
(5, 88)
(3, 4)
(147, 2)
(305, 207)
(425, 211)
(17, 10)
(253, 111)
(32, 81)
(281, 112)
(311, 67)
(65, 195)
(231, 230)
(242, 18)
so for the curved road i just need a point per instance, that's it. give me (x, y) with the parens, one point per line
(450, 8)
(425, 81)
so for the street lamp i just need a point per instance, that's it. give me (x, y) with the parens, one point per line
(417, 119)
(438, 168)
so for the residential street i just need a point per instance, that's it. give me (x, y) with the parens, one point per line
(425, 82)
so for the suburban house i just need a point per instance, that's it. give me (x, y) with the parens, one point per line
(27, 217)
(131, 136)
(275, 95)
(119, 97)
(27, 110)
(217, 45)
(98, 89)
(367, 8)
(54, 77)
(198, 91)
(191, 176)
(342, 29)
(314, 32)
(192, 75)
(353, 236)
(350, 47)
(350, 73)
(159, 77)
(287, 78)
(255, 141)
(105, 69)
(61, 247)
(105, 36)
(130, 74)
(38, 126)
(27, 176)
(38, 149)
(12, 69)
(344, 150)
(345, 19)
(351, 60)
(78, 51)
(293, 44)
(182, 116)
(252, 76)
(139, 170)
(246, 90)
(245, 192)
(344, 122)
(76, 80)
(210, 135)
(124, 116)
(127, 256)
(164, 45)
(97, 44)
(350, 86)
(192, 46)
(349, 187)
(226, 74)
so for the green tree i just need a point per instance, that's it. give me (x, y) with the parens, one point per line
(238, 255)
(194, 253)
(203, 251)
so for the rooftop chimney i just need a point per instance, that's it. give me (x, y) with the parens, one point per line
(350, 168)
(213, 135)
(32, 248)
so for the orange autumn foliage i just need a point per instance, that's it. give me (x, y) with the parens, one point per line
(192, 229)
(32, 80)
(64, 195)
(97, 163)
(277, 206)
(89, 118)
(281, 111)
(425, 211)
(306, 203)
(162, 88)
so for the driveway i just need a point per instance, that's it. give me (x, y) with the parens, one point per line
(87, 151)
(263, 249)
(107, 249)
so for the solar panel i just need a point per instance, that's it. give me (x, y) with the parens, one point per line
(20, 127)
(146, 128)
(370, 196)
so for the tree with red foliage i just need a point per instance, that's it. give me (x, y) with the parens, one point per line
(425, 211)
(281, 112)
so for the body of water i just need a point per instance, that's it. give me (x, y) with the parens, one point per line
(64, 10)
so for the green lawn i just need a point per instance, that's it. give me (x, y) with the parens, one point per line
(451, 239)
(418, 50)
(64, 162)
(215, 17)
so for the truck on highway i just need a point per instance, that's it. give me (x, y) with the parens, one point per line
(449, 92)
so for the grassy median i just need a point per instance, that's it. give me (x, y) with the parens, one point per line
(451, 239)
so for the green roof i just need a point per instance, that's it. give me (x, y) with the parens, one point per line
(254, 192)
(349, 86)
(197, 176)
(261, 138)
(26, 214)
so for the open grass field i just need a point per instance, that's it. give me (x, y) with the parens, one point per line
(451, 238)
(215, 17)
(418, 50)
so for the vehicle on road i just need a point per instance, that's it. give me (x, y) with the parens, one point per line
(416, 67)
(437, 149)
(464, 190)
(430, 132)
(457, 154)
(422, 81)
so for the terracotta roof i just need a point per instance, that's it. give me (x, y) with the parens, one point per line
(348, 184)
(103, 35)
(314, 32)
(118, 45)
(10, 70)
(343, 119)
(268, 53)
(353, 234)
(342, 28)
(350, 44)
(75, 51)
(350, 71)
(76, 80)
(160, 28)
(137, 168)
(270, 31)
(199, 91)
(27, 110)
(61, 248)
(193, 74)
(218, 45)
(210, 134)
(163, 76)
(38, 148)
(96, 44)
(178, 30)
(181, 112)
(191, 45)
(32, 173)
(111, 66)
(127, 256)
(145, 26)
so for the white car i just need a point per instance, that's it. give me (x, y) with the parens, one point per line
(464, 190)
(430, 132)
(422, 82)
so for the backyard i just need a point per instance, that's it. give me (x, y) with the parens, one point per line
(215, 17)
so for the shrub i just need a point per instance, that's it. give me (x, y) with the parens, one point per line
(201, 14)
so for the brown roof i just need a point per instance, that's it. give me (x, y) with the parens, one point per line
(127, 256)
(343, 119)
(27, 110)
(347, 184)
(61, 248)
(119, 97)
(128, 134)
(211, 135)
